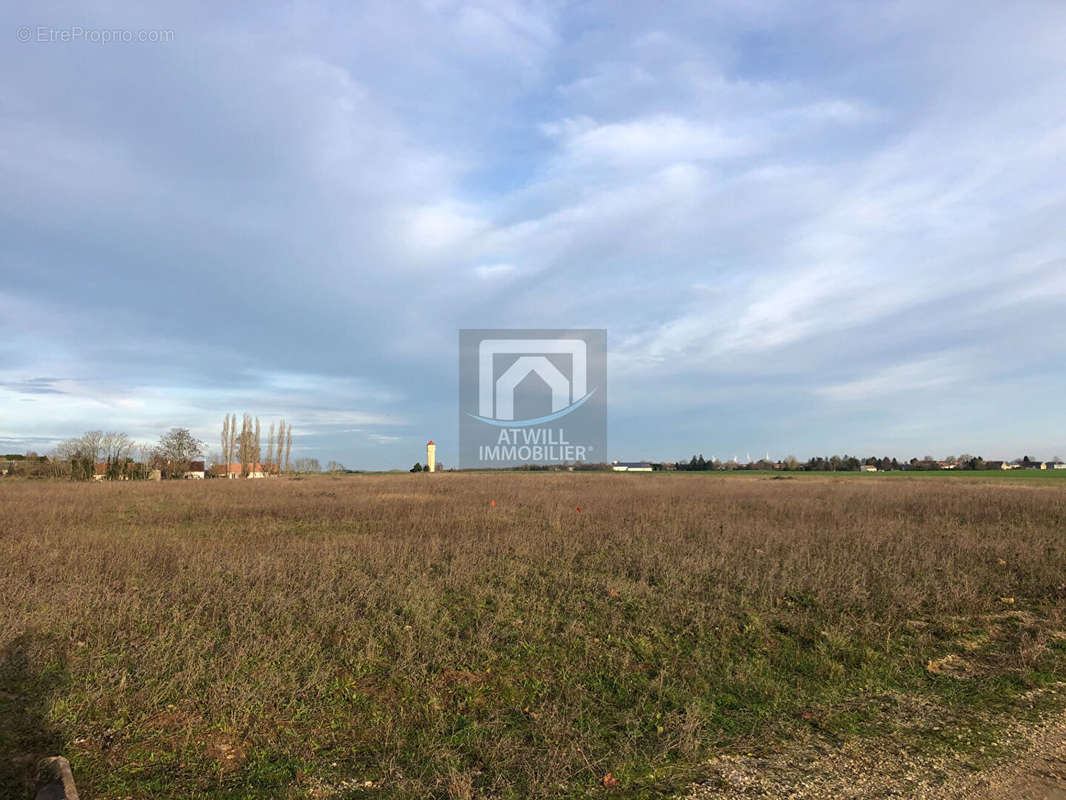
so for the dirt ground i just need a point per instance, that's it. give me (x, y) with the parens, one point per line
(817, 772)
(1040, 774)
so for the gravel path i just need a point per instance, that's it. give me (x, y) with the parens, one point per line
(817, 771)
(1040, 774)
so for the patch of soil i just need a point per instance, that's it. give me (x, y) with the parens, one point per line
(230, 756)
(953, 666)
(818, 770)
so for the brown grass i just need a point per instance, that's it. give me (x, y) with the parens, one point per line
(399, 636)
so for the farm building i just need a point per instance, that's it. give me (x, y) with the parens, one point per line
(114, 471)
(631, 466)
(195, 471)
(236, 470)
(868, 468)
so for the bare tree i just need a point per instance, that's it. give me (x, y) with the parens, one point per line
(92, 441)
(281, 445)
(270, 446)
(256, 456)
(58, 468)
(232, 441)
(225, 440)
(307, 465)
(79, 457)
(244, 445)
(116, 447)
(177, 447)
(93, 447)
(67, 449)
(147, 453)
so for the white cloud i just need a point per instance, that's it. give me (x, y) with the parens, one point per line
(379, 438)
(494, 271)
(661, 139)
(838, 111)
(438, 229)
(914, 376)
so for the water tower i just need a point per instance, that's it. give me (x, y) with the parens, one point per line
(431, 456)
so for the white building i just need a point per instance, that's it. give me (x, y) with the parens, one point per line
(195, 471)
(236, 470)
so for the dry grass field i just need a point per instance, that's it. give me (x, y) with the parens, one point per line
(399, 636)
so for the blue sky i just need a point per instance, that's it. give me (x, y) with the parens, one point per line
(807, 227)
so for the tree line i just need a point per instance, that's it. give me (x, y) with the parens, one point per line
(76, 458)
(122, 458)
(846, 463)
(243, 446)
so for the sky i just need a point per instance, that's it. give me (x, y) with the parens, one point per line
(808, 227)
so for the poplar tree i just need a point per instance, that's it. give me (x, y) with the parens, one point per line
(244, 446)
(225, 441)
(281, 445)
(256, 464)
(232, 441)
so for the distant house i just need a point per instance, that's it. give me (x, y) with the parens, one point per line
(226, 470)
(235, 470)
(1033, 465)
(631, 466)
(114, 471)
(1056, 465)
(868, 468)
(947, 465)
(195, 471)
(998, 465)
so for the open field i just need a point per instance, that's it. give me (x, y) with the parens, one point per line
(398, 636)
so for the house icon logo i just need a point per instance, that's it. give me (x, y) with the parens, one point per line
(532, 397)
(496, 395)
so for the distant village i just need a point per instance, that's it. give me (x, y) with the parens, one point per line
(99, 456)
(178, 455)
(839, 464)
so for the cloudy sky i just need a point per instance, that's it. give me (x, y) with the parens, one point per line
(807, 227)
